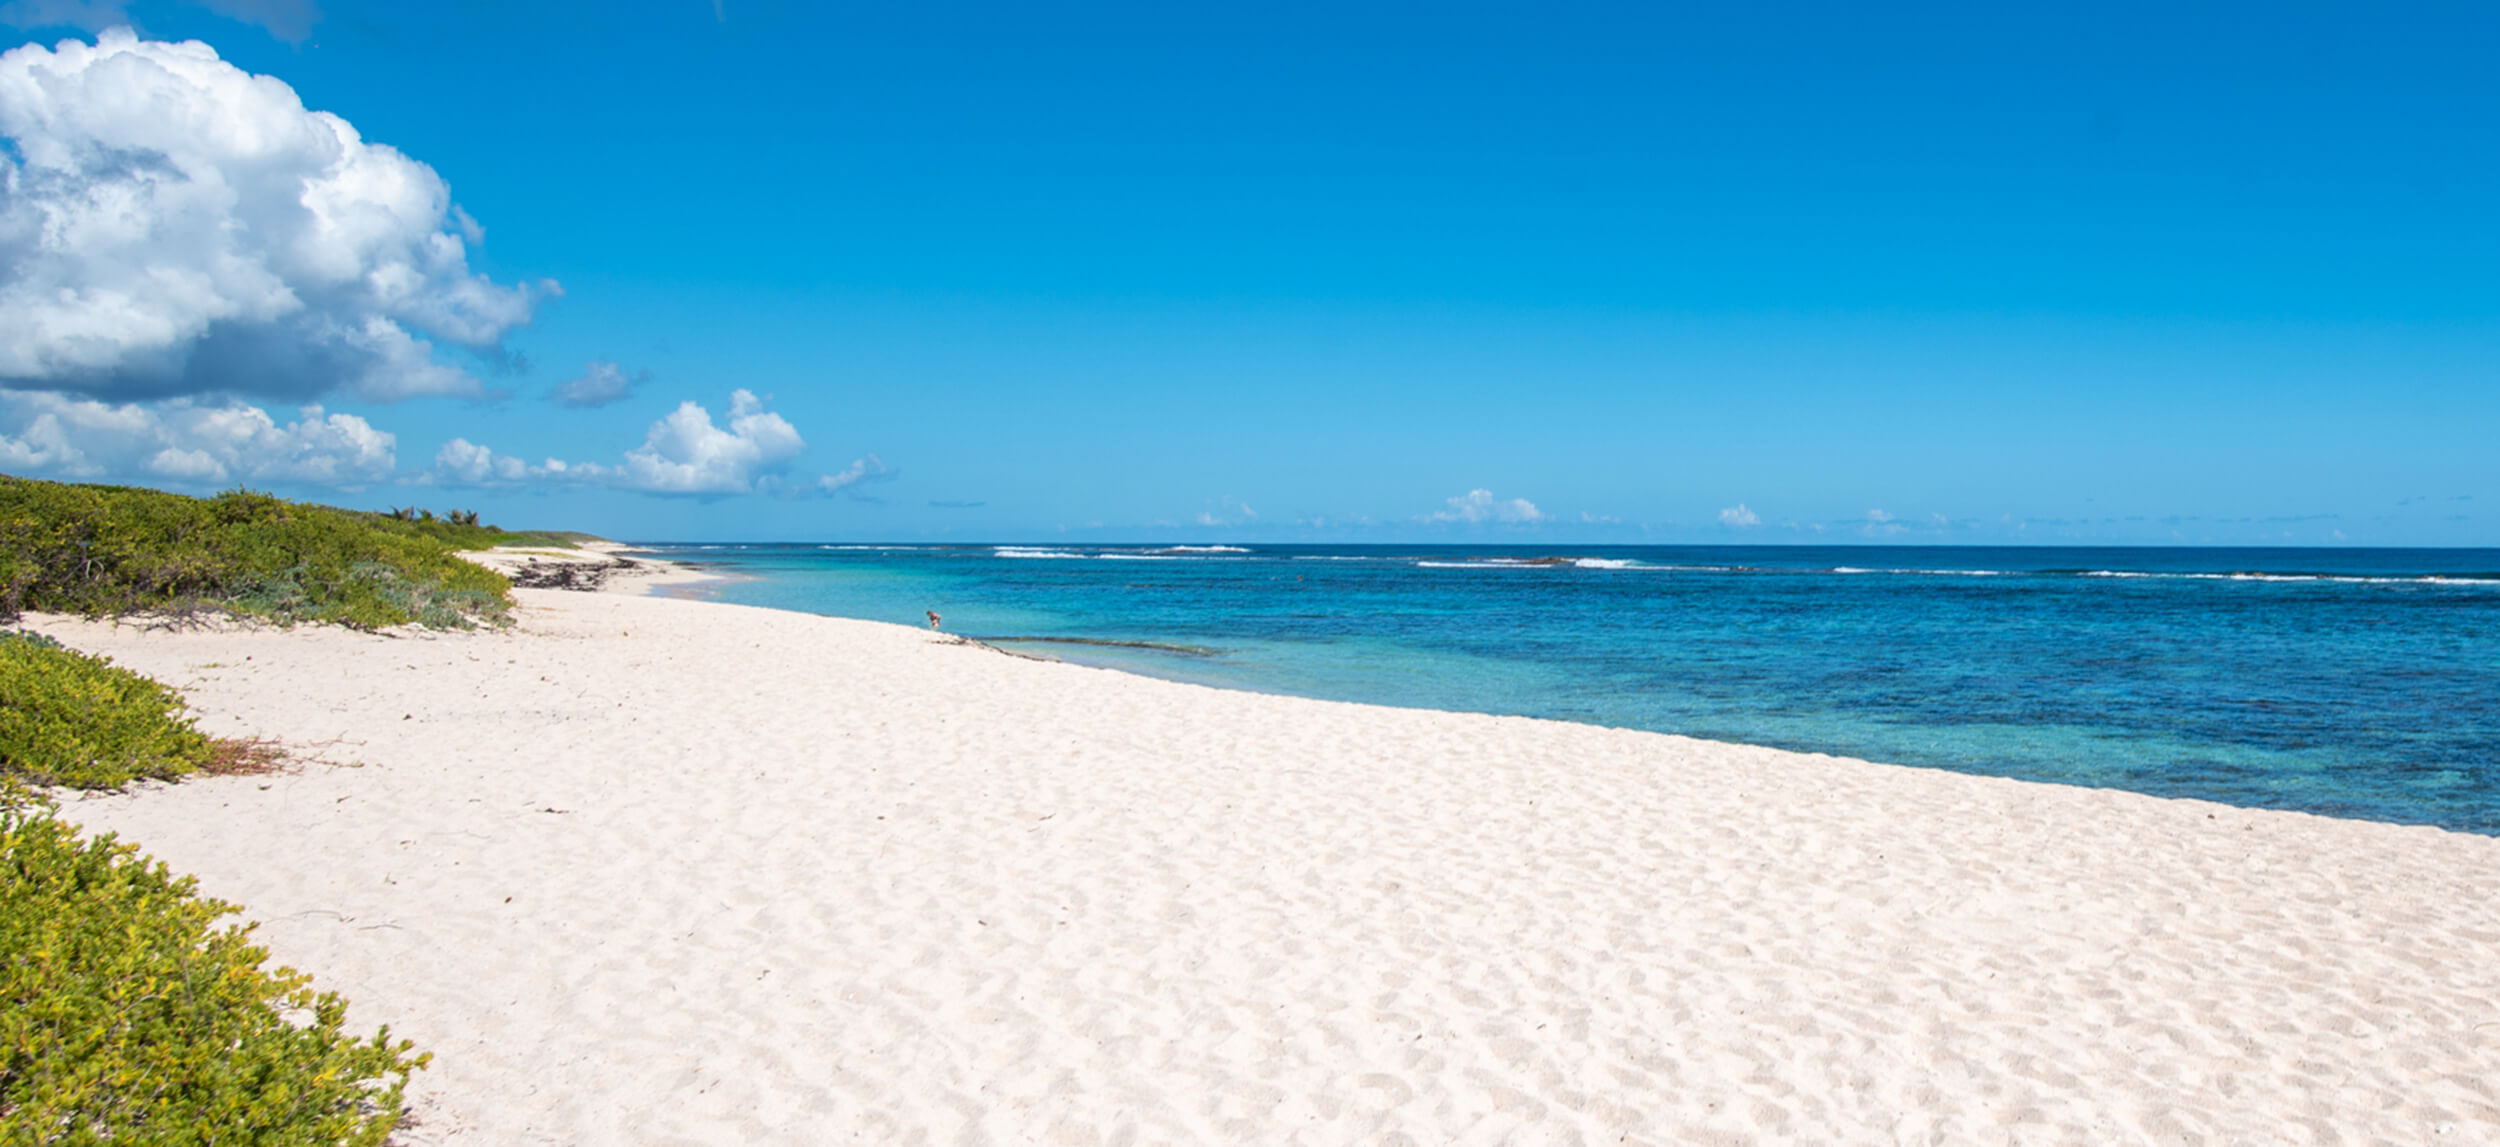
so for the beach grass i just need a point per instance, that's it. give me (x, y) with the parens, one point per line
(116, 550)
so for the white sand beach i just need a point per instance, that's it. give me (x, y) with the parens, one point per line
(662, 871)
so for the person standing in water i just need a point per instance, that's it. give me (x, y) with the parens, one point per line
(933, 620)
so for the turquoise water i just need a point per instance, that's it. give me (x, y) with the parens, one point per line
(2361, 683)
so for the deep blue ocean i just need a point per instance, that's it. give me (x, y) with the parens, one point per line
(2350, 682)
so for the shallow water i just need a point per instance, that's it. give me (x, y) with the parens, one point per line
(2361, 683)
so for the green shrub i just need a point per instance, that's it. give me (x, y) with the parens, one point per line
(70, 719)
(125, 1017)
(104, 550)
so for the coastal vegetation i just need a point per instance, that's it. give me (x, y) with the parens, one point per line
(126, 1013)
(112, 550)
(79, 721)
(128, 1016)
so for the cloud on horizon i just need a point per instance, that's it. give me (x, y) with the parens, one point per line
(188, 441)
(1739, 516)
(1226, 511)
(464, 463)
(175, 226)
(1481, 506)
(682, 453)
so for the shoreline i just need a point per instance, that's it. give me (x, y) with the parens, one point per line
(591, 565)
(2273, 732)
(646, 868)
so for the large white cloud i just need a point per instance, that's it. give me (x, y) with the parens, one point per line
(171, 225)
(185, 440)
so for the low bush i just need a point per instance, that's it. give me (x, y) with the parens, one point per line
(105, 550)
(126, 1016)
(70, 719)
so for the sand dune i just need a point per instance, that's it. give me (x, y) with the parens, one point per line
(658, 871)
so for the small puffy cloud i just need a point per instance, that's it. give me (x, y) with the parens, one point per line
(468, 463)
(173, 225)
(684, 453)
(1482, 506)
(188, 441)
(1739, 516)
(868, 469)
(599, 384)
(1878, 517)
(464, 463)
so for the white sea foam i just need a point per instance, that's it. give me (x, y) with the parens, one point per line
(1918, 572)
(1034, 552)
(1605, 563)
(1938, 573)
(1206, 549)
(2337, 579)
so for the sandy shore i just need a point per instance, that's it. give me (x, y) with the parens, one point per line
(665, 871)
(596, 565)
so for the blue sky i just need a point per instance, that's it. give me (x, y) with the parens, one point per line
(1763, 272)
